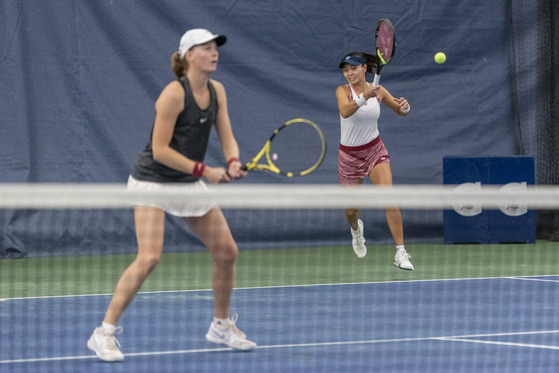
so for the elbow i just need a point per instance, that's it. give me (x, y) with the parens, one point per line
(157, 153)
(345, 115)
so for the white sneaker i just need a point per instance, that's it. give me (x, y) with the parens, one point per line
(106, 346)
(402, 260)
(229, 335)
(358, 241)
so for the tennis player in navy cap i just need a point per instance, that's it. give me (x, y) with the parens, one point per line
(362, 153)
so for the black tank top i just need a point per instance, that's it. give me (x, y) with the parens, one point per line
(190, 138)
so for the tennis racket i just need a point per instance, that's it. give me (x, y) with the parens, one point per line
(386, 45)
(296, 148)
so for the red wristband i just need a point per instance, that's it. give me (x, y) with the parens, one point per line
(198, 170)
(231, 160)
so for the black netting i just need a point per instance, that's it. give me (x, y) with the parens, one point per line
(547, 165)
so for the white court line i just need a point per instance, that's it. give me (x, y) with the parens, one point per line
(501, 334)
(468, 338)
(460, 338)
(85, 357)
(501, 343)
(291, 286)
(532, 279)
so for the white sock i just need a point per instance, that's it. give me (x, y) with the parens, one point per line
(400, 247)
(219, 321)
(108, 328)
(357, 232)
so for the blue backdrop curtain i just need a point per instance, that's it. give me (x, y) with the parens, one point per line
(79, 78)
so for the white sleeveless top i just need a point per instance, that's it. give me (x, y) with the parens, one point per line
(362, 127)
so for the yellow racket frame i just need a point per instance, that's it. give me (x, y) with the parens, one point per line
(272, 167)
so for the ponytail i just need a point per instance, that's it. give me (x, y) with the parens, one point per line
(371, 60)
(179, 65)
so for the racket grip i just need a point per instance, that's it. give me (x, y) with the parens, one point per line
(377, 78)
(244, 167)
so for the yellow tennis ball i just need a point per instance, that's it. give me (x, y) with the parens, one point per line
(440, 57)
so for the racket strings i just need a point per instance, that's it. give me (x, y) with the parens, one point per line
(297, 148)
(385, 41)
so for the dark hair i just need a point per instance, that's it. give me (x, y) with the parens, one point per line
(370, 59)
(179, 65)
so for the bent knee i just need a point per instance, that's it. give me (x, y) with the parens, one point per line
(226, 255)
(148, 263)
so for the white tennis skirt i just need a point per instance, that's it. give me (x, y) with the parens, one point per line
(177, 209)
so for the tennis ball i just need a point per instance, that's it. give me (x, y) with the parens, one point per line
(440, 57)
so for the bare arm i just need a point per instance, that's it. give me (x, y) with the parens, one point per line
(346, 107)
(167, 109)
(396, 104)
(225, 133)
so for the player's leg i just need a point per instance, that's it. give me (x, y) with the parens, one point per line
(356, 225)
(150, 230)
(150, 226)
(382, 175)
(348, 164)
(212, 229)
(352, 214)
(357, 232)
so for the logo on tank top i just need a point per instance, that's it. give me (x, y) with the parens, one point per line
(203, 120)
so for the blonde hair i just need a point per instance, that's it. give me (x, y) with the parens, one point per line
(179, 65)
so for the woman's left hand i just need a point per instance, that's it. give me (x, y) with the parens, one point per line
(235, 171)
(403, 103)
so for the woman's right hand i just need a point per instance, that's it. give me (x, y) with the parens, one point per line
(371, 91)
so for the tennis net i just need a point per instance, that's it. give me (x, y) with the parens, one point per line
(482, 280)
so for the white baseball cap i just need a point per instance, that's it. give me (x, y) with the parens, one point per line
(198, 36)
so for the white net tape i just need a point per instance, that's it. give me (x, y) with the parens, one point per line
(251, 196)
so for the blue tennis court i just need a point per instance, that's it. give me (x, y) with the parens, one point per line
(462, 325)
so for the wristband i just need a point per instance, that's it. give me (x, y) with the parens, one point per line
(231, 160)
(198, 170)
(360, 100)
(406, 110)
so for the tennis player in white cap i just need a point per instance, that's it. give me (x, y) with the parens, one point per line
(186, 110)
